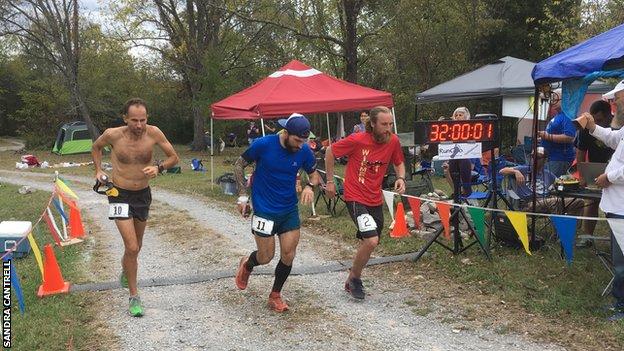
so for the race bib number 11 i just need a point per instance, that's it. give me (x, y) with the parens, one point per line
(118, 210)
(262, 225)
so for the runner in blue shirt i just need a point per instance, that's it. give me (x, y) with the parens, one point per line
(278, 159)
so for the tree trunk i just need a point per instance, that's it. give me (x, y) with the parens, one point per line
(199, 142)
(351, 10)
(82, 109)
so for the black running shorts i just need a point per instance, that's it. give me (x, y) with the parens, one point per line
(368, 220)
(130, 204)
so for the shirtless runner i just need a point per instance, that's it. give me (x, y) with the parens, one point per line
(131, 156)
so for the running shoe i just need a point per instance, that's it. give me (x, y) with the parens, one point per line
(276, 303)
(123, 280)
(355, 287)
(136, 309)
(242, 275)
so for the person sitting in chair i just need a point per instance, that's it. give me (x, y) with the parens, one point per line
(543, 181)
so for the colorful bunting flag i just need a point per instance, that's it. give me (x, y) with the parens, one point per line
(478, 218)
(47, 217)
(444, 210)
(15, 283)
(415, 206)
(58, 207)
(519, 222)
(64, 188)
(566, 230)
(389, 197)
(36, 252)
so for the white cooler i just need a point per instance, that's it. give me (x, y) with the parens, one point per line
(11, 232)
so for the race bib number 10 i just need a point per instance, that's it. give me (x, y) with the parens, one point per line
(118, 210)
(262, 225)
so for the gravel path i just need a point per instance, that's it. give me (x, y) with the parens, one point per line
(215, 315)
(15, 144)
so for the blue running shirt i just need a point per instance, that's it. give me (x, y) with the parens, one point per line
(273, 183)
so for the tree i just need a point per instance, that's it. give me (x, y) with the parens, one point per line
(48, 30)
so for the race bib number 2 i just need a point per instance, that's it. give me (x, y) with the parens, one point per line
(118, 210)
(366, 223)
(262, 225)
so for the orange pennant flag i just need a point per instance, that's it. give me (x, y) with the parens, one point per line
(444, 210)
(415, 206)
(400, 225)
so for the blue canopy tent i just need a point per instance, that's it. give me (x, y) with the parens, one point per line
(599, 57)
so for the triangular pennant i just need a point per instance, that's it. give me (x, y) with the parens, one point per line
(47, 217)
(71, 203)
(566, 230)
(400, 225)
(617, 227)
(415, 206)
(519, 222)
(478, 218)
(36, 252)
(389, 198)
(15, 283)
(444, 210)
(64, 188)
(58, 207)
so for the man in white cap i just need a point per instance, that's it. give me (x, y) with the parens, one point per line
(612, 184)
(278, 159)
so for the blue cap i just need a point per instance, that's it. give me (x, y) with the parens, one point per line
(296, 124)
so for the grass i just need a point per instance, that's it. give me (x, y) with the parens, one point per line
(55, 322)
(541, 284)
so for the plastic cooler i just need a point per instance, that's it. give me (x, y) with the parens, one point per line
(11, 232)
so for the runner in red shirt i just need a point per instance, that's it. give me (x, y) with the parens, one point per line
(369, 155)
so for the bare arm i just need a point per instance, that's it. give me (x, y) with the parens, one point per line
(96, 152)
(167, 148)
(400, 184)
(330, 188)
(239, 173)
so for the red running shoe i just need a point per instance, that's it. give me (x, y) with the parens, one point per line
(242, 275)
(276, 303)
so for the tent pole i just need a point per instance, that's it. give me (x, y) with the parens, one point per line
(328, 130)
(262, 124)
(394, 120)
(536, 105)
(211, 153)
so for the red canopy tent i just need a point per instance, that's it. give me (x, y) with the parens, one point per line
(299, 88)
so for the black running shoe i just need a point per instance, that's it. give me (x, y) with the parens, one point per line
(355, 288)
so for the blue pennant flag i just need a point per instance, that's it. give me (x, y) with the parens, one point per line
(58, 207)
(566, 230)
(15, 284)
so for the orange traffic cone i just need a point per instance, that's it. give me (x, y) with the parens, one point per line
(53, 282)
(76, 230)
(400, 225)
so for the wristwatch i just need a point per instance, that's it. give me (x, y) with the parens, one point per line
(310, 185)
(161, 168)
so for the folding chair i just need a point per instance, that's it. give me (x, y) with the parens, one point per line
(331, 204)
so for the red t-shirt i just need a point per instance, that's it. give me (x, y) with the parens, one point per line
(367, 165)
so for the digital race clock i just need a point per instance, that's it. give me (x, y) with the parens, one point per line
(435, 132)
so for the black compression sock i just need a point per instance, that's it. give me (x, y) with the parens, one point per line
(252, 261)
(282, 272)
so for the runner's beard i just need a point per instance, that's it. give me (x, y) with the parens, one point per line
(382, 137)
(290, 147)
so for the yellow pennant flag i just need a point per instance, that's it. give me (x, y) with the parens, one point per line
(64, 188)
(519, 222)
(36, 251)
